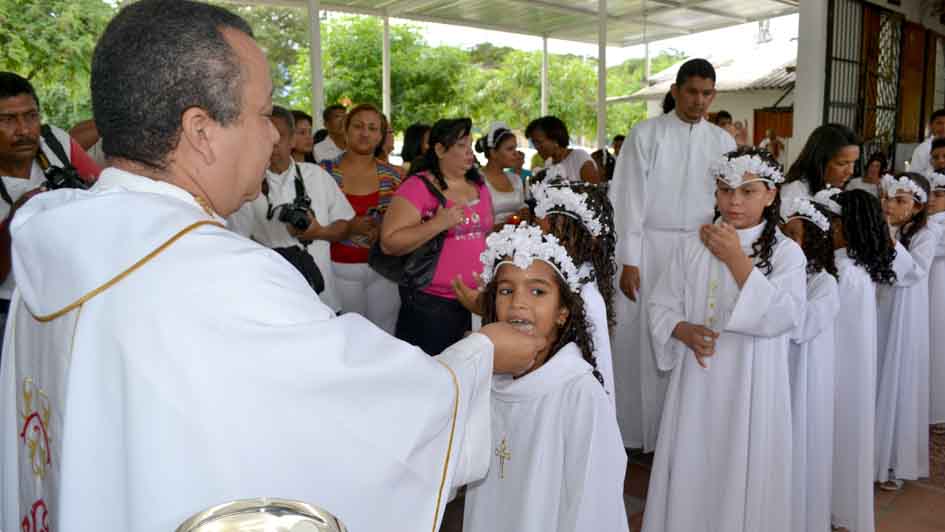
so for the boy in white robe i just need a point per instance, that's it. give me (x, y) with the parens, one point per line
(559, 462)
(937, 303)
(812, 365)
(660, 197)
(902, 393)
(864, 255)
(721, 316)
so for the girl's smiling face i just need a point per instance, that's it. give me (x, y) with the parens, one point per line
(744, 206)
(530, 300)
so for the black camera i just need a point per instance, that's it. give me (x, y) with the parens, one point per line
(294, 214)
(57, 178)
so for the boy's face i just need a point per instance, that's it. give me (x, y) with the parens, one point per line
(938, 159)
(937, 201)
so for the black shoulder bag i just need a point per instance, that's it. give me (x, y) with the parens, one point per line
(298, 256)
(414, 270)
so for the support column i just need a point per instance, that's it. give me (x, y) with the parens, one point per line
(602, 74)
(386, 69)
(315, 63)
(544, 76)
(811, 73)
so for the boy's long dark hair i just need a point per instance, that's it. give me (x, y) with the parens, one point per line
(583, 247)
(867, 234)
(576, 329)
(818, 246)
(921, 218)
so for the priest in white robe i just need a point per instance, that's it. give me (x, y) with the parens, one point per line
(660, 195)
(156, 364)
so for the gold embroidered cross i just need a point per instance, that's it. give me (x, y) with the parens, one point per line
(503, 452)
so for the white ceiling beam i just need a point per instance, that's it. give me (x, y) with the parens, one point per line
(673, 5)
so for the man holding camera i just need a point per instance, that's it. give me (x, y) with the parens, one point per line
(33, 158)
(300, 209)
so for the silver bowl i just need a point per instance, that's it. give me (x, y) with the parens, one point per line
(263, 515)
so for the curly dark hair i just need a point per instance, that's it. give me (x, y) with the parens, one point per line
(576, 329)
(583, 247)
(818, 246)
(866, 233)
(921, 218)
(763, 249)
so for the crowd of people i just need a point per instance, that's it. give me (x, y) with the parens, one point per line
(209, 311)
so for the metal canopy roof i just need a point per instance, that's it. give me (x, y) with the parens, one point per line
(575, 20)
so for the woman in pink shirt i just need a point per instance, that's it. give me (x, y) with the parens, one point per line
(431, 317)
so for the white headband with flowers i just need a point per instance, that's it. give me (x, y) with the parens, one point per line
(892, 186)
(732, 171)
(825, 198)
(936, 179)
(562, 199)
(804, 209)
(525, 244)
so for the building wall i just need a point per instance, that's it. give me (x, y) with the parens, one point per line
(741, 105)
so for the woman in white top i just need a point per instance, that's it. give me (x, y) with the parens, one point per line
(550, 137)
(875, 169)
(508, 195)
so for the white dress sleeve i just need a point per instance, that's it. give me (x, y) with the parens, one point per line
(628, 195)
(595, 463)
(773, 305)
(913, 264)
(667, 308)
(823, 303)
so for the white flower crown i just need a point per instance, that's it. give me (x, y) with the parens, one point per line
(494, 128)
(525, 244)
(936, 179)
(562, 199)
(891, 186)
(732, 171)
(825, 199)
(804, 209)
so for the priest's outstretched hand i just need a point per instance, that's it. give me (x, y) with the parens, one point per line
(515, 351)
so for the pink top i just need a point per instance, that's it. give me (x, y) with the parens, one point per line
(464, 242)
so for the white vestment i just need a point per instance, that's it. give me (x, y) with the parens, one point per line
(723, 462)
(812, 391)
(558, 463)
(596, 310)
(211, 372)
(937, 324)
(661, 192)
(16, 187)
(328, 205)
(855, 397)
(902, 392)
(922, 157)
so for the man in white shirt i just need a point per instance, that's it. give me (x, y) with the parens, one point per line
(157, 364)
(660, 195)
(334, 144)
(329, 209)
(922, 156)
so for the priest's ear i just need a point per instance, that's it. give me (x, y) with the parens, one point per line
(198, 130)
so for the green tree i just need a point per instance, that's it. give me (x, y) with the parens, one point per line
(50, 42)
(282, 32)
(627, 78)
(426, 82)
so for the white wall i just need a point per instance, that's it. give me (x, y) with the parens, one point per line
(741, 105)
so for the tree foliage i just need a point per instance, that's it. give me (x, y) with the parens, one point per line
(50, 42)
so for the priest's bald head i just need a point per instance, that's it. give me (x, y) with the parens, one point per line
(182, 93)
